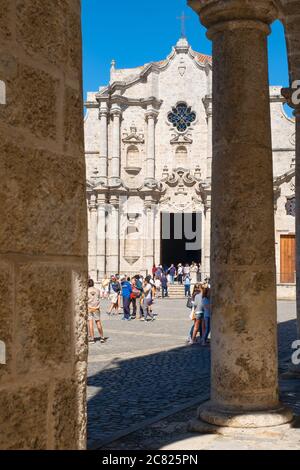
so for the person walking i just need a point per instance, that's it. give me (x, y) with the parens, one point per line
(206, 306)
(180, 273)
(135, 298)
(104, 287)
(193, 273)
(154, 269)
(114, 290)
(126, 293)
(158, 287)
(164, 285)
(94, 313)
(199, 276)
(172, 273)
(147, 300)
(187, 286)
(198, 309)
(186, 270)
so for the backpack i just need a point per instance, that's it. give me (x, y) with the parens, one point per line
(136, 293)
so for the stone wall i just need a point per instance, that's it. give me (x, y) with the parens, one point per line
(43, 227)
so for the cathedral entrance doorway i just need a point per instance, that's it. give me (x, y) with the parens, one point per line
(181, 240)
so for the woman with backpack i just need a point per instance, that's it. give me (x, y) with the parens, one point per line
(206, 306)
(135, 298)
(196, 315)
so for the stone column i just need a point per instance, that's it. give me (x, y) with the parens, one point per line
(151, 116)
(149, 234)
(116, 145)
(101, 235)
(208, 108)
(103, 144)
(207, 236)
(113, 237)
(244, 383)
(288, 94)
(297, 195)
(93, 238)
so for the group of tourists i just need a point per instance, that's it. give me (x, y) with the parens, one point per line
(200, 304)
(180, 272)
(133, 297)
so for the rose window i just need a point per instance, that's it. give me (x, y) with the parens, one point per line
(181, 117)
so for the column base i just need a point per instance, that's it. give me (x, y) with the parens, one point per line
(210, 414)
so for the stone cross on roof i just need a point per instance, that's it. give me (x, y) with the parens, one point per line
(183, 19)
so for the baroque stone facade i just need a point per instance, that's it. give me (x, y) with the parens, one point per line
(148, 145)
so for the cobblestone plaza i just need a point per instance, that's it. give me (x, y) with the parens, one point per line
(146, 373)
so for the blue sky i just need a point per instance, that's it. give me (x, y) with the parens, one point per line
(134, 32)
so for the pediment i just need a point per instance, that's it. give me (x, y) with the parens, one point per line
(181, 139)
(133, 139)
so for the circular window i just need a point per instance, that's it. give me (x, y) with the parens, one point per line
(182, 117)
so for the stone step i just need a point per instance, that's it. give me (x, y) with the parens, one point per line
(176, 291)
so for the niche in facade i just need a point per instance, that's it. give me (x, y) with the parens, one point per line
(133, 160)
(181, 155)
(132, 245)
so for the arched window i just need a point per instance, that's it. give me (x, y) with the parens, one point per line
(181, 155)
(133, 157)
(181, 116)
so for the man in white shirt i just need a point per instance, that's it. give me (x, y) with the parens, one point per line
(94, 312)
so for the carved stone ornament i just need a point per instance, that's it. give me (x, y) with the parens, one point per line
(133, 137)
(291, 206)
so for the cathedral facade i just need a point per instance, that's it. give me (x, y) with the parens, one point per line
(148, 149)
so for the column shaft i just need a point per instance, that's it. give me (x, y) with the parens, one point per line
(149, 237)
(207, 236)
(93, 239)
(150, 162)
(113, 238)
(101, 241)
(297, 195)
(244, 361)
(116, 144)
(103, 144)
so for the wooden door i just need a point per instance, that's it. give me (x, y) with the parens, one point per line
(287, 259)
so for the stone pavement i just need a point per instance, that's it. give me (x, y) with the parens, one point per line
(145, 384)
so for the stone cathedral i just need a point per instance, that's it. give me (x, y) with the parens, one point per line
(148, 150)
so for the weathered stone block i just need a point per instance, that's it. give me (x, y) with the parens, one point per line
(44, 317)
(5, 20)
(80, 314)
(41, 29)
(65, 415)
(23, 418)
(53, 199)
(6, 316)
(73, 112)
(32, 102)
(74, 43)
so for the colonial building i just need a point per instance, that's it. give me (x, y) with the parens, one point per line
(148, 147)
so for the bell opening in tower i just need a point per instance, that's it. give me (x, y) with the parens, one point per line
(181, 238)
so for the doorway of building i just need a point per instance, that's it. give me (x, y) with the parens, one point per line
(181, 238)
